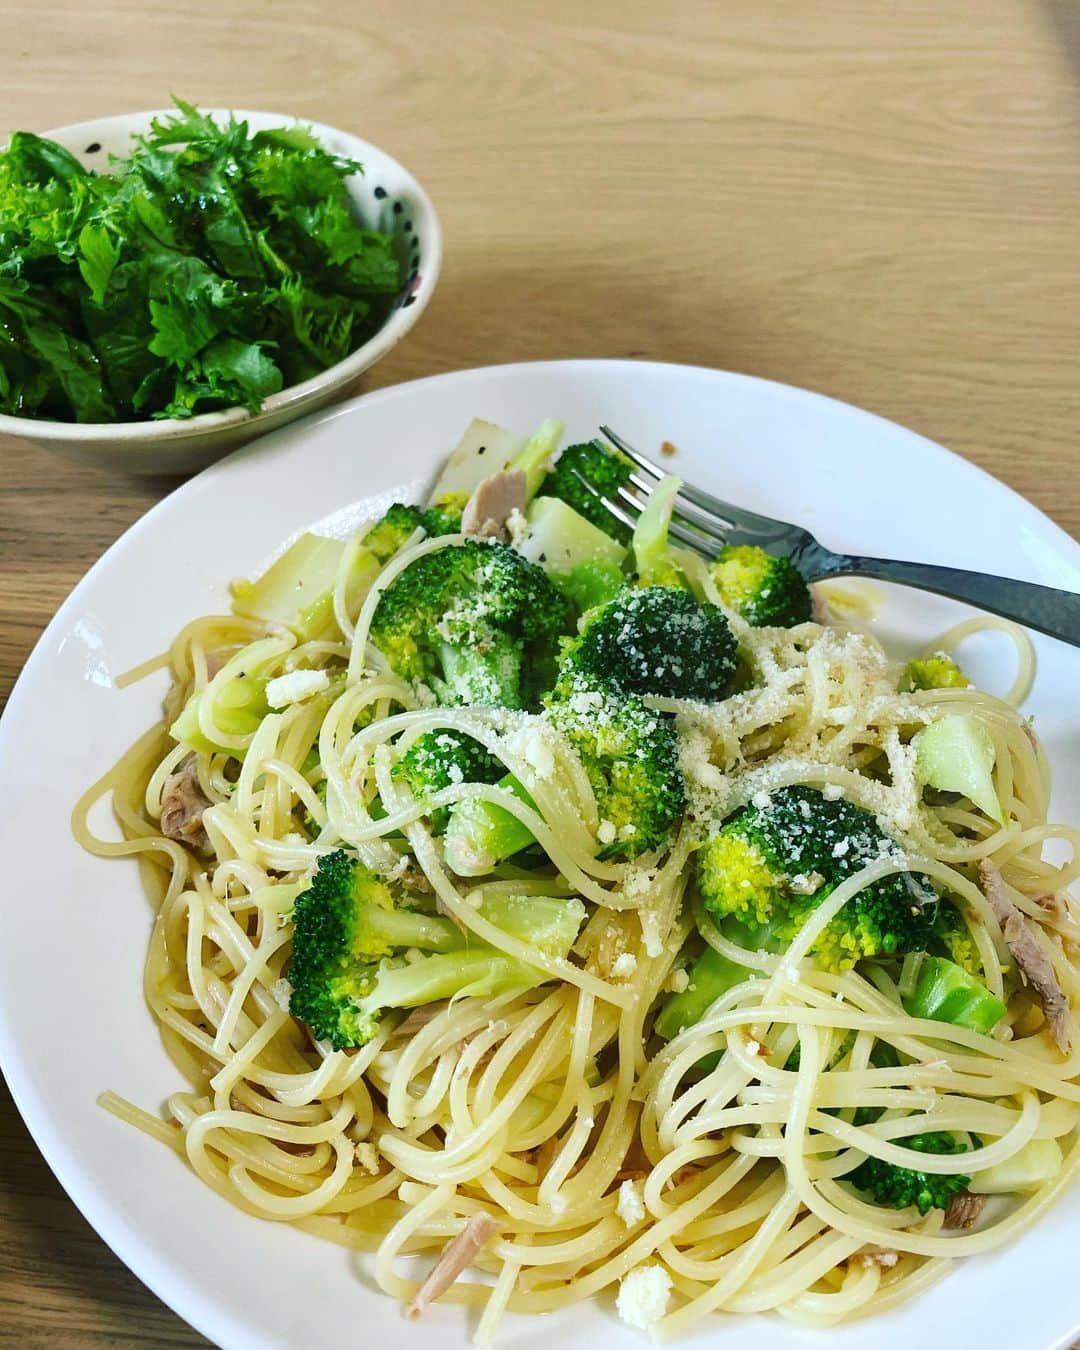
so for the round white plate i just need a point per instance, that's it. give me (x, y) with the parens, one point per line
(72, 1019)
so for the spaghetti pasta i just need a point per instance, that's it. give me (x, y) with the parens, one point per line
(741, 1132)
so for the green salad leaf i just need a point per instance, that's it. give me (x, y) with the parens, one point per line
(210, 269)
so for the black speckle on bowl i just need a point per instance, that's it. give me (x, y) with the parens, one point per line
(92, 148)
(380, 193)
(398, 208)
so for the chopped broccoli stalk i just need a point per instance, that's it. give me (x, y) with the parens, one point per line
(767, 592)
(474, 621)
(238, 693)
(439, 759)
(1036, 1165)
(298, 589)
(711, 976)
(583, 561)
(604, 469)
(550, 923)
(481, 834)
(933, 672)
(484, 449)
(904, 1187)
(652, 557)
(478, 972)
(956, 754)
(630, 755)
(945, 992)
(488, 674)
(350, 943)
(560, 538)
(656, 640)
(533, 460)
(771, 865)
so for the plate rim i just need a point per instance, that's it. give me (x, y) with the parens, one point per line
(112, 1226)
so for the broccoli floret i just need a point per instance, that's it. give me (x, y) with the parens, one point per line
(606, 470)
(474, 621)
(344, 925)
(386, 536)
(630, 754)
(772, 865)
(901, 1187)
(349, 943)
(439, 759)
(656, 640)
(767, 592)
(953, 935)
(443, 516)
(935, 672)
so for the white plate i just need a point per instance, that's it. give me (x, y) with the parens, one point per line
(72, 1019)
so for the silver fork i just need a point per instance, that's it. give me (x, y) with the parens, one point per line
(706, 524)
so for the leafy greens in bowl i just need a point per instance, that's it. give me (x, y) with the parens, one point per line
(223, 274)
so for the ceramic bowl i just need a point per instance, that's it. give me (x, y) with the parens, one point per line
(386, 196)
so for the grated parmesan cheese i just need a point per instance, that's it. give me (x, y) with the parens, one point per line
(367, 1156)
(624, 965)
(643, 1296)
(630, 1207)
(296, 686)
(281, 992)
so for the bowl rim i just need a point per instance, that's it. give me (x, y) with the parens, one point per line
(394, 328)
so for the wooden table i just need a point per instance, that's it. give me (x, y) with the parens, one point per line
(876, 201)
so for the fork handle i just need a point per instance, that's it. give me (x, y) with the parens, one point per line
(1042, 607)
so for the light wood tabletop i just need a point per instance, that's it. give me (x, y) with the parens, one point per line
(879, 202)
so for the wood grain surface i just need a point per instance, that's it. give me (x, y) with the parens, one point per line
(877, 201)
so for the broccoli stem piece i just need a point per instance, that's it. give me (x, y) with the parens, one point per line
(484, 673)
(534, 458)
(944, 992)
(583, 561)
(298, 589)
(711, 976)
(478, 972)
(650, 539)
(550, 923)
(1036, 1165)
(237, 695)
(957, 754)
(480, 833)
